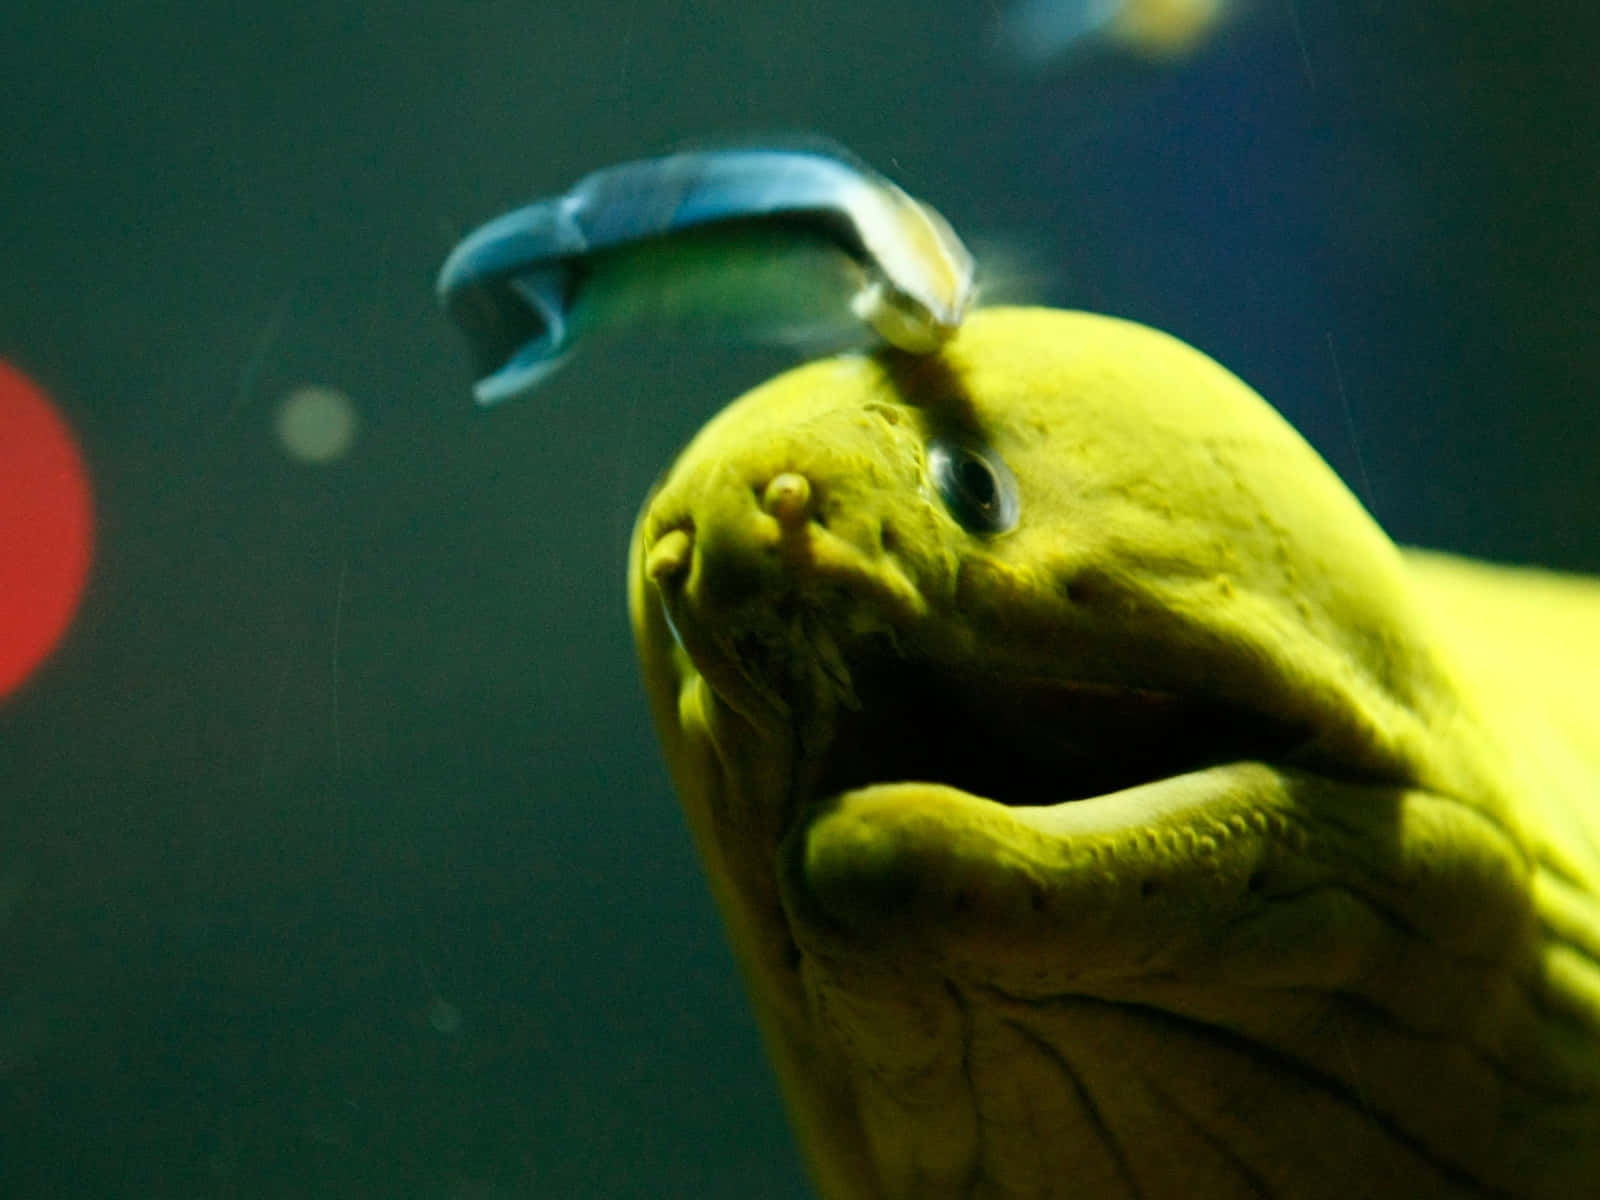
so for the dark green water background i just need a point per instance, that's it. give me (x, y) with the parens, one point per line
(329, 746)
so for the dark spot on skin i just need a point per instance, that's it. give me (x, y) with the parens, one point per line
(888, 539)
(1257, 881)
(931, 383)
(1148, 888)
(1079, 592)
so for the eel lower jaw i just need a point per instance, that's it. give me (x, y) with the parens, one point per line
(979, 808)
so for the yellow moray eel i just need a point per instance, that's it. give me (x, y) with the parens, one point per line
(1100, 805)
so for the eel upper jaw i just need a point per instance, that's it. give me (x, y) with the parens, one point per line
(855, 710)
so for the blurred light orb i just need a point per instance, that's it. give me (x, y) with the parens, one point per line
(316, 424)
(46, 527)
(1165, 29)
(1041, 31)
(444, 1017)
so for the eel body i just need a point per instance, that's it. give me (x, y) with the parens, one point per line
(1099, 803)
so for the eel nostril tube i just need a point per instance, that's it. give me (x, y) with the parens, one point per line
(787, 499)
(668, 557)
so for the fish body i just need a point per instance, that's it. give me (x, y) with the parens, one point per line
(1100, 805)
(804, 247)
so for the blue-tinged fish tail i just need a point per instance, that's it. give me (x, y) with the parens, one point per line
(508, 288)
(516, 329)
(528, 237)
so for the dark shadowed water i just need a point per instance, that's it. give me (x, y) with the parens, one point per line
(336, 858)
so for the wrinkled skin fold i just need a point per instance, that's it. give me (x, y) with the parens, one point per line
(1186, 839)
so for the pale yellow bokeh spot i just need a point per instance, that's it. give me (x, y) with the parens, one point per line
(1161, 29)
(316, 424)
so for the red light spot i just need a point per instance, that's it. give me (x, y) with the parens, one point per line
(46, 527)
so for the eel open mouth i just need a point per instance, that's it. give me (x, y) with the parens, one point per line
(1033, 741)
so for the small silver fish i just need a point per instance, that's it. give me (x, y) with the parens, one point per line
(807, 248)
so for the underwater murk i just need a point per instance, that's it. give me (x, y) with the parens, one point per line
(936, 520)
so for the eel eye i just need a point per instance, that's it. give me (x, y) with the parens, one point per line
(975, 485)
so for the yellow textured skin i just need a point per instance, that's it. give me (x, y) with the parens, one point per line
(1343, 941)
